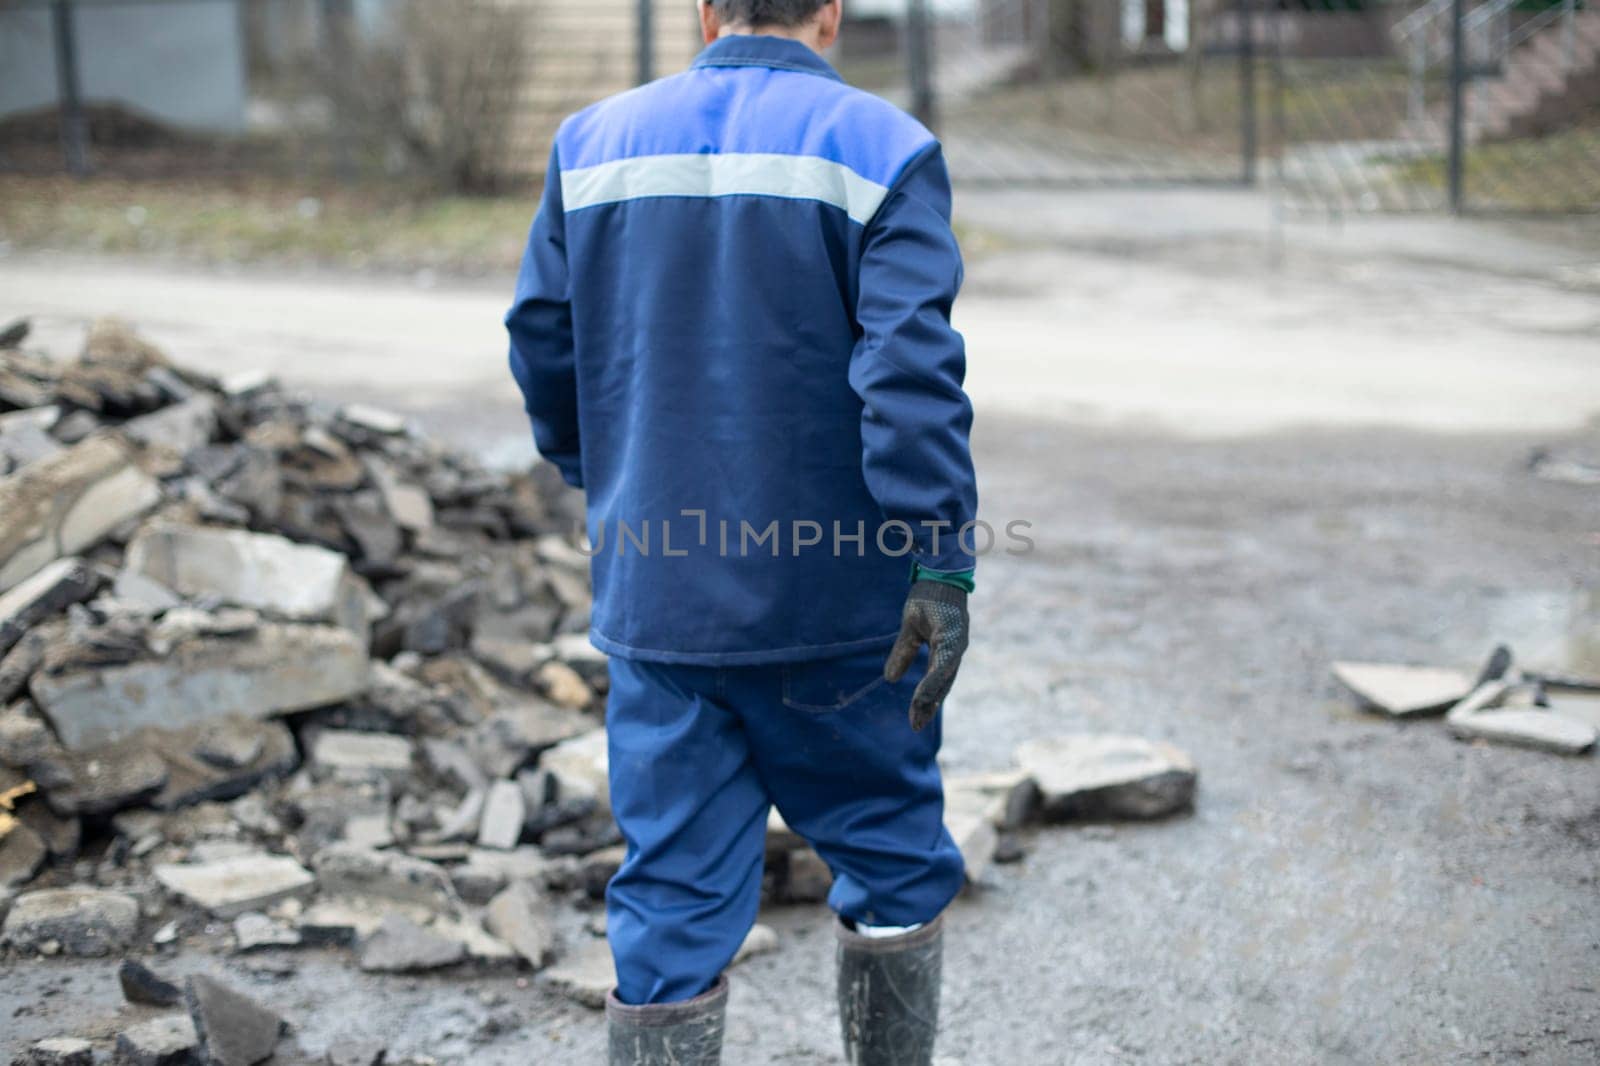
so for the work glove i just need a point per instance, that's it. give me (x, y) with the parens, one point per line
(936, 615)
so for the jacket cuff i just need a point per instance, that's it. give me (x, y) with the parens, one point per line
(961, 579)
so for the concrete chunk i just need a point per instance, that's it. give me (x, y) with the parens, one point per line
(503, 813)
(59, 1051)
(274, 670)
(586, 975)
(402, 946)
(168, 1041)
(1528, 728)
(1403, 691)
(272, 574)
(520, 916)
(344, 752)
(1104, 776)
(232, 1029)
(345, 869)
(231, 886)
(64, 504)
(50, 591)
(580, 766)
(84, 921)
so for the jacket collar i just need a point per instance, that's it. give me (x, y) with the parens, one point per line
(764, 50)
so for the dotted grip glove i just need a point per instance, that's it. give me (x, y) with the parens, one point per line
(935, 615)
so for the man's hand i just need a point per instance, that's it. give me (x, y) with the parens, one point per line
(936, 615)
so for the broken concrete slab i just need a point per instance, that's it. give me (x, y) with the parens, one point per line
(400, 945)
(262, 571)
(503, 812)
(350, 754)
(231, 886)
(82, 920)
(1108, 776)
(50, 591)
(142, 985)
(232, 1029)
(1403, 691)
(58, 1051)
(481, 946)
(520, 916)
(274, 670)
(344, 869)
(166, 1041)
(1529, 728)
(585, 975)
(64, 504)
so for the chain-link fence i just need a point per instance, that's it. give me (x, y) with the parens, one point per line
(1351, 104)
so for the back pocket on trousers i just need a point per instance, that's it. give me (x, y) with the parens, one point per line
(827, 686)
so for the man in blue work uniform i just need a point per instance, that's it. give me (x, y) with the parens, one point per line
(732, 330)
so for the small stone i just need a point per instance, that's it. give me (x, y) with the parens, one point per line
(81, 920)
(599, 867)
(1403, 691)
(342, 752)
(1528, 728)
(563, 685)
(402, 946)
(228, 747)
(1103, 776)
(231, 886)
(353, 1052)
(1009, 849)
(807, 878)
(253, 930)
(462, 823)
(140, 984)
(59, 1051)
(977, 838)
(166, 1041)
(346, 870)
(760, 940)
(233, 1030)
(586, 975)
(580, 766)
(373, 418)
(520, 916)
(22, 853)
(503, 813)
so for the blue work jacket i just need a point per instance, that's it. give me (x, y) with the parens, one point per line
(732, 330)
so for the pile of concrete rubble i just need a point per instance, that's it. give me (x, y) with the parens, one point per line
(277, 674)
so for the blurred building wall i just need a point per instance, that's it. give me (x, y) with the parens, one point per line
(184, 66)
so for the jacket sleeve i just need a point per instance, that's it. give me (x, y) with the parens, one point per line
(540, 323)
(908, 367)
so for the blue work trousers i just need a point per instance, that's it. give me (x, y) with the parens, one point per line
(698, 755)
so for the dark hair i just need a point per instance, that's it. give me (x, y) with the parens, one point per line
(766, 12)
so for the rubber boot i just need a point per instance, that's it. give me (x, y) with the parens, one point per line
(889, 995)
(668, 1034)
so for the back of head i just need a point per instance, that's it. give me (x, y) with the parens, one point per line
(755, 13)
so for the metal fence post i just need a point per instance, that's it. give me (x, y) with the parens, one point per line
(646, 33)
(919, 61)
(1247, 90)
(74, 127)
(1458, 81)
